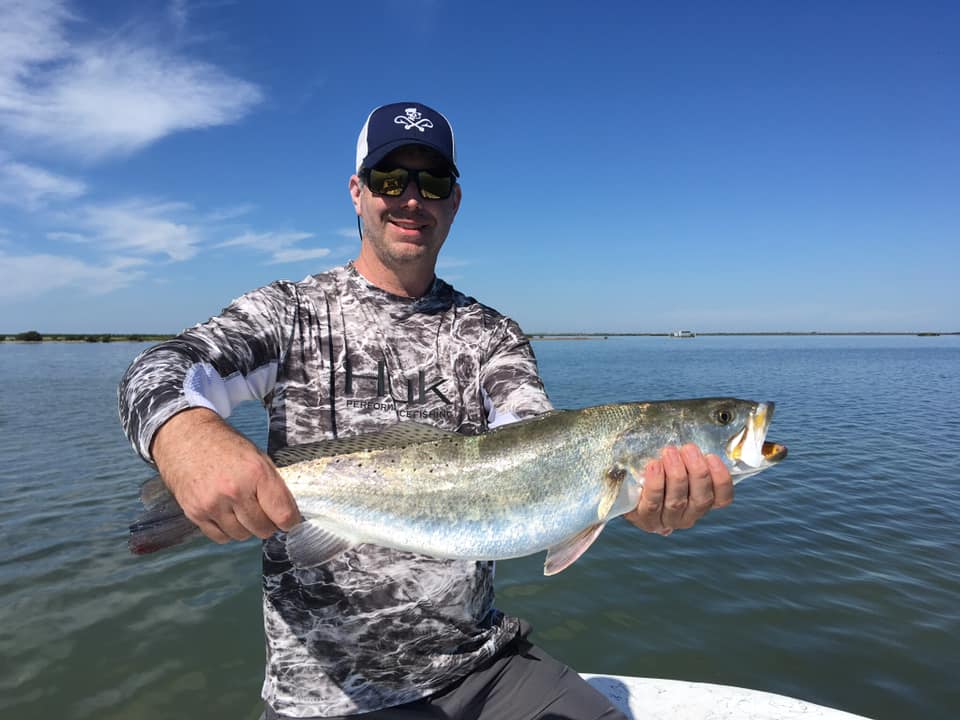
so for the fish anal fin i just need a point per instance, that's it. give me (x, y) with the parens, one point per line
(309, 544)
(565, 553)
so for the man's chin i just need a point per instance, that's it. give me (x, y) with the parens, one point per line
(407, 237)
(412, 253)
(411, 244)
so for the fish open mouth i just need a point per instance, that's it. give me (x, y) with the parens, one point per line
(749, 447)
(773, 452)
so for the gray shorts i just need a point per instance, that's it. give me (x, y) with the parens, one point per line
(521, 683)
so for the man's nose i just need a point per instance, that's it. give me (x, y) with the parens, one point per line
(411, 195)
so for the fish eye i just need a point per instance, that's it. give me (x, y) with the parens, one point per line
(723, 416)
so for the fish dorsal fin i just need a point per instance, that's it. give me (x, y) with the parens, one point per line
(309, 544)
(399, 435)
(565, 553)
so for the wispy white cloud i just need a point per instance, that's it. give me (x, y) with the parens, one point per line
(31, 187)
(280, 246)
(70, 237)
(107, 95)
(30, 33)
(26, 276)
(295, 255)
(142, 228)
(229, 213)
(268, 241)
(68, 85)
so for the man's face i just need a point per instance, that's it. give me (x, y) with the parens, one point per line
(407, 228)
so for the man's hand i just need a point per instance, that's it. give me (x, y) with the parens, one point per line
(680, 488)
(225, 485)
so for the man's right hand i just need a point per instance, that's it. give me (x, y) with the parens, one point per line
(224, 483)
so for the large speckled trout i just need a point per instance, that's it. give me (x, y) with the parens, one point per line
(547, 483)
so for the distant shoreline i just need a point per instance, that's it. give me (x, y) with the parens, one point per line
(784, 333)
(83, 337)
(153, 337)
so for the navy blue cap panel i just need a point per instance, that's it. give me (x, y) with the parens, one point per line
(398, 124)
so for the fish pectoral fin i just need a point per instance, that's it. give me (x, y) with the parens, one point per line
(309, 544)
(564, 554)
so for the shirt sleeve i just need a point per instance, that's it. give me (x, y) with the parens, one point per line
(218, 364)
(510, 381)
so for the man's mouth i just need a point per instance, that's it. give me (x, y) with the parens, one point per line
(408, 225)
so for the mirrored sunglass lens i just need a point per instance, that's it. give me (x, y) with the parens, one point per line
(389, 182)
(434, 187)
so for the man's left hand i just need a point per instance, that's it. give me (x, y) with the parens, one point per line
(680, 488)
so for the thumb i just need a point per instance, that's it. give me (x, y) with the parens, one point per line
(277, 501)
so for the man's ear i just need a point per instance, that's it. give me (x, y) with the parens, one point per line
(457, 197)
(356, 188)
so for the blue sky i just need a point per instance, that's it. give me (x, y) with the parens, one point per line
(626, 166)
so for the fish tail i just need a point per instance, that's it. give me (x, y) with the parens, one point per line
(162, 524)
(154, 493)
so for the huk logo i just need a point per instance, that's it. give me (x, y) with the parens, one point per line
(413, 120)
(417, 390)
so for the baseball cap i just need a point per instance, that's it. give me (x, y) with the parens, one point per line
(405, 123)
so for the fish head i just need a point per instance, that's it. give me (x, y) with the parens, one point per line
(738, 430)
(733, 429)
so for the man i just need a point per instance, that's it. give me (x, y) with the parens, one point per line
(356, 349)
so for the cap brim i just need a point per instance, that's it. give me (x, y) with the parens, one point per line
(375, 156)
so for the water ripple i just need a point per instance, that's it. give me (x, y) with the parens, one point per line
(834, 577)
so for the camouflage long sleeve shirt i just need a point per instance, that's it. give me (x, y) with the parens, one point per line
(333, 356)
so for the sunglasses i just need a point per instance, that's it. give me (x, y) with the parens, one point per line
(432, 184)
